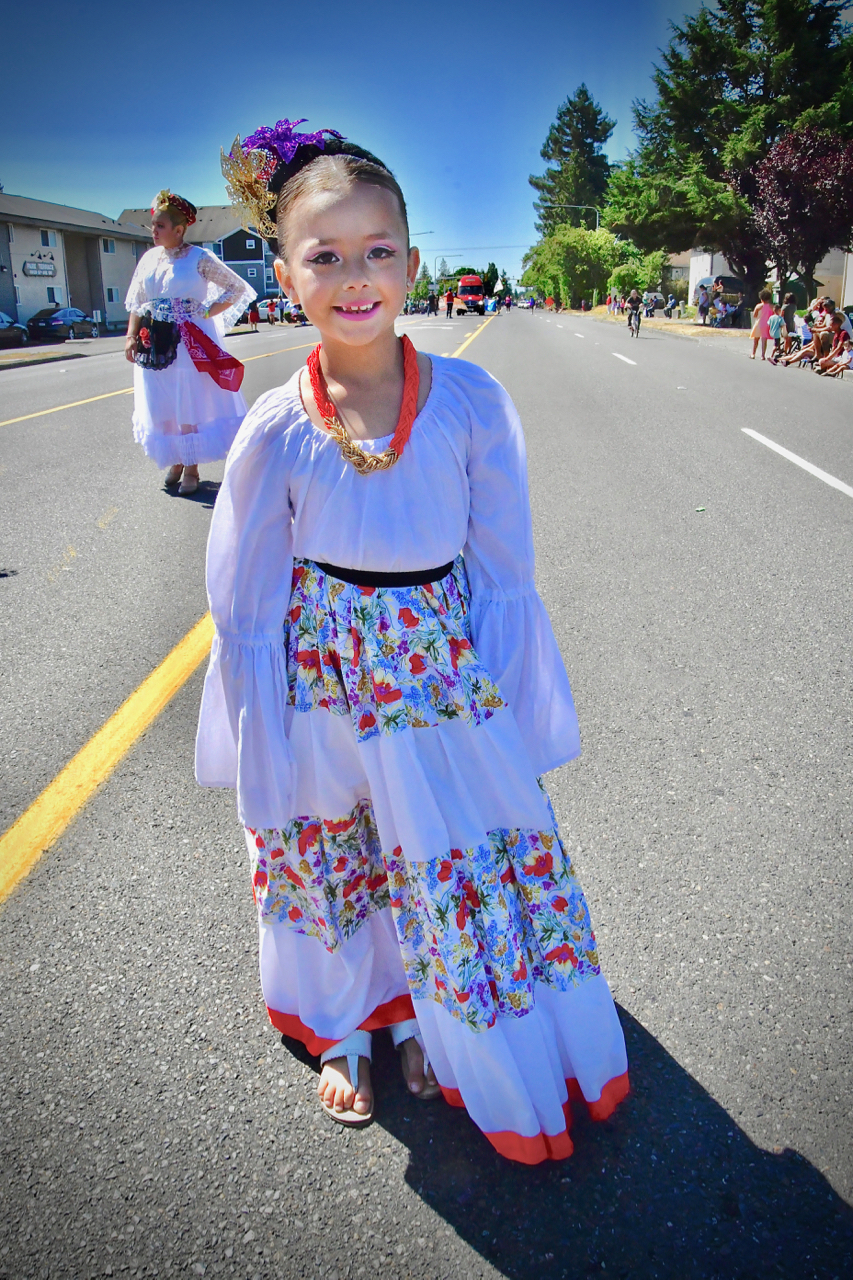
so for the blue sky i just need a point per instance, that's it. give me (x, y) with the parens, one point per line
(105, 104)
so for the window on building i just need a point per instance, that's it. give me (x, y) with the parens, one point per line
(250, 244)
(11, 234)
(48, 239)
(54, 294)
(109, 246)
(17, 294)
(251, 273)
(269, 276)
(112, 295)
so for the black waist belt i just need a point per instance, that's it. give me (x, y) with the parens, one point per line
(363, 578)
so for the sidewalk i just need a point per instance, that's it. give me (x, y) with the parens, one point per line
(682, 328)
(47, 353)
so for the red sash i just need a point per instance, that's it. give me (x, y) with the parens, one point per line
(226, 371)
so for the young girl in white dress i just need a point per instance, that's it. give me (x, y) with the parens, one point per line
(385, 691)
(182, 295)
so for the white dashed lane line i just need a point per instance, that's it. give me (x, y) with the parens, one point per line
(800, 462)
(625, 358)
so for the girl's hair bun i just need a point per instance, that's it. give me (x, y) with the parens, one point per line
(258, 169)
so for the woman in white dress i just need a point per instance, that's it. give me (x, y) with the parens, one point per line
(187, 403)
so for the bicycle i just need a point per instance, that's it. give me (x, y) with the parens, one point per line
(634, 323)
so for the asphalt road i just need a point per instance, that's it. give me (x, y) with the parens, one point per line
(699, 583)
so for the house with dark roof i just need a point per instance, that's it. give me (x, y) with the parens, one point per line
(52, 254)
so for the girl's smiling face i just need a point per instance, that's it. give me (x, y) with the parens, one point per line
(348, 261)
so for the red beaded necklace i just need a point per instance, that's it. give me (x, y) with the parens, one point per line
(364, 462)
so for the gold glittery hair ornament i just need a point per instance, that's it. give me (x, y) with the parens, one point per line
(251, 165)
(166, 199)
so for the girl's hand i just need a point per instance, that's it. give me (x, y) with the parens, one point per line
(130, 347)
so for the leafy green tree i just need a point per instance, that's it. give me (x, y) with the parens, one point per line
(640, 271)
(572, 263)
(578, 169)
(733, 80)
(423, 284)
(803, 201)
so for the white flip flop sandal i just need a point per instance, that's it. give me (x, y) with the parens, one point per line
(355, 1046)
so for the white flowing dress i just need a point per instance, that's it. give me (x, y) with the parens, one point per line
(179, 413)
(386, 744)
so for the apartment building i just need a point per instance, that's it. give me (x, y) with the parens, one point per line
(56, 254)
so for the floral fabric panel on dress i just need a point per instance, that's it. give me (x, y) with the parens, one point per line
(320, 877)
(389, 657)
(477, 929)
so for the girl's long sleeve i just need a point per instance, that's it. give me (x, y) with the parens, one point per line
(511, 629)
(241, 740)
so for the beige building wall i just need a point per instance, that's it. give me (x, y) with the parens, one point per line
(116, 271)
(32, 291)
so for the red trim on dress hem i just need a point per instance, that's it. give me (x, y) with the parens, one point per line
(547, 1146)
(400, 1009)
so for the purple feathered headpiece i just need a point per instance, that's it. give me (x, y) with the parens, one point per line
(250, 165)
(282, 143)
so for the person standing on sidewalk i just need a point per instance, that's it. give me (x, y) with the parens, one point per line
(187, 404)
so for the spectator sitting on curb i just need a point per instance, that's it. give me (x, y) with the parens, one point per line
(840, 360)
(831, 310)
(720, 311)
(808, 345)
(777, 330)
(837, 337)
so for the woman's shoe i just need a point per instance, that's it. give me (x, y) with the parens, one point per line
(173, 475)
(189, 484)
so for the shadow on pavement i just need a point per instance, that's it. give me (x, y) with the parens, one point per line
(204, 496)
(669, 1187)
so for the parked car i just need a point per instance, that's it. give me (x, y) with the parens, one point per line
(61, 322)
(731, 284)
(12, 334)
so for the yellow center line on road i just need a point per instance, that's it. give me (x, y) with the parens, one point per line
(470, 339)
(127, 391)
(60, 802)
(48, 816)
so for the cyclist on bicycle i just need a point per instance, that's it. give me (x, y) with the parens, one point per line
(633, 306)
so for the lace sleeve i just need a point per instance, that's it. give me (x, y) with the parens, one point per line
(224, 285)
(137, 296)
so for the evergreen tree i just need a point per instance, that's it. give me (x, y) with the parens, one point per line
(423, 284)
(733, 80)
(578, 169)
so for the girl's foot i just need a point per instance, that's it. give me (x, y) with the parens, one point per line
(339, 1098)
(189, 484)
(173, 475)
(425, 1087)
